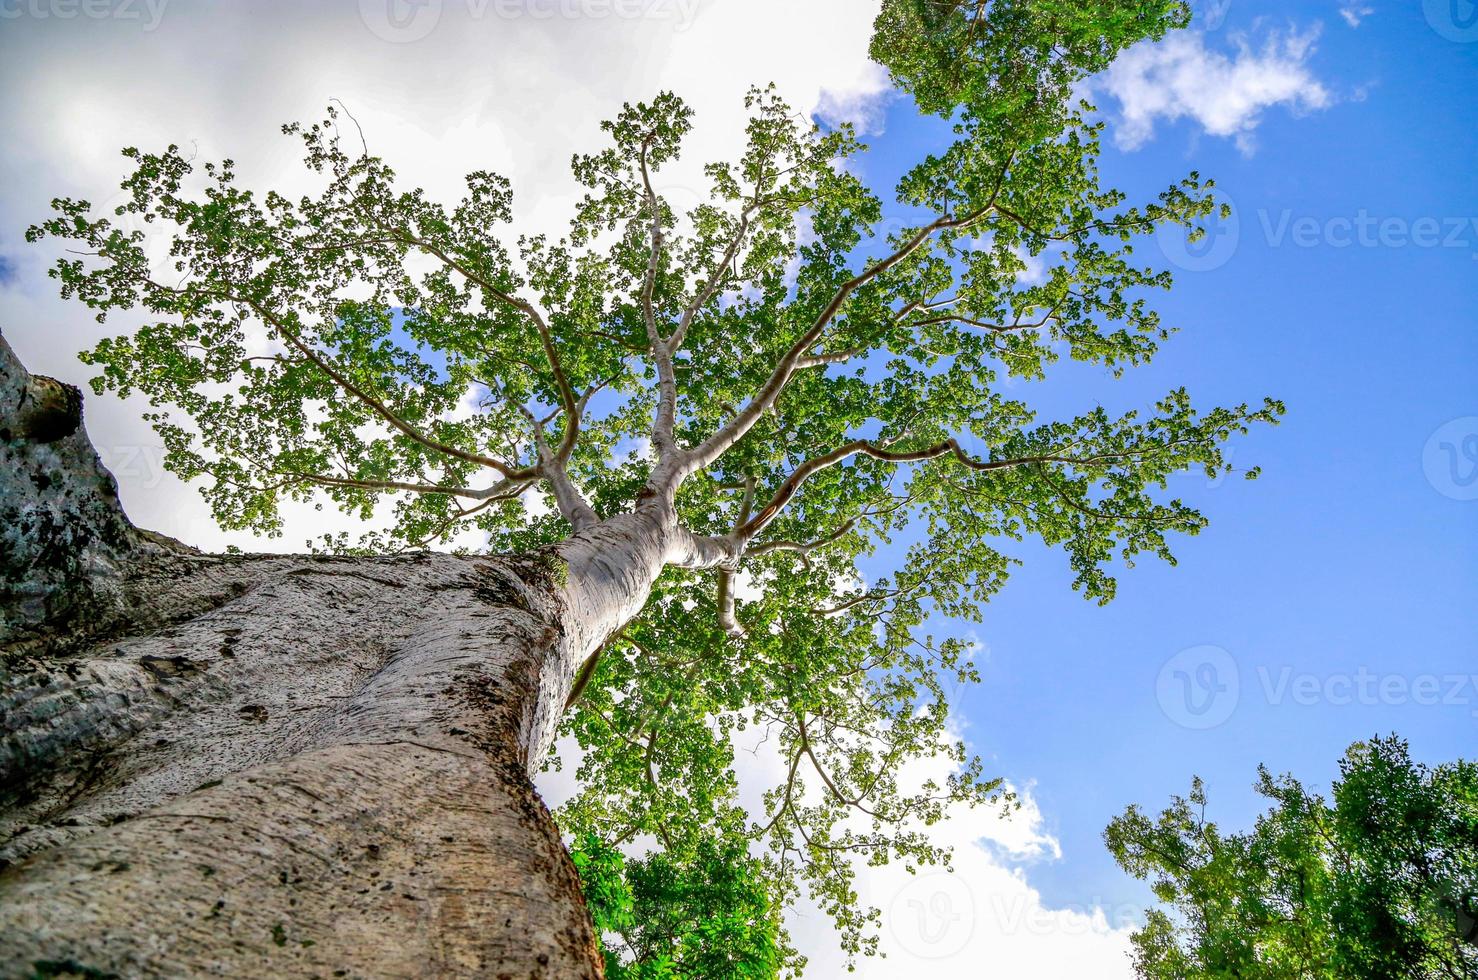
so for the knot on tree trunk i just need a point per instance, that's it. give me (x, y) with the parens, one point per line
(47, 410)
(63, 534)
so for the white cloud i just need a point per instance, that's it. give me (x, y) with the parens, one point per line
(983, 917)
(1355, 12)
(1035, 272)
(1181, 77)
(939, 923)
(861, 101)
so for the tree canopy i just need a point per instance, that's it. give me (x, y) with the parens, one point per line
(809, 393)
(1381, 881)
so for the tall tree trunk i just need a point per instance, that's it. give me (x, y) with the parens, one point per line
(280, 766)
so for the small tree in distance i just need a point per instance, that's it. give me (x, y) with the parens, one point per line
(707, 914)
(761, 387)
(1381, 881)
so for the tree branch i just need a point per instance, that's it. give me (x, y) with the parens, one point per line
(702, 296)
(378, 407)
(572, 504)
(499, 488)
(720, 441)
(541, 327)
(864, 447)
(665, 421)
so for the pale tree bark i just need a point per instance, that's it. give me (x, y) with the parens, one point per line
(282, 766)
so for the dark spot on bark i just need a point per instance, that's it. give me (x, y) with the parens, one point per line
(169, 668)
(206, 785)
(279, 934)
(46, 969)
(253, 713)
(373, 850)
(499, 592)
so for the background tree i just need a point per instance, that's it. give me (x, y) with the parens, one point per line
(675, 436)
(710, 917)
(1380, 882)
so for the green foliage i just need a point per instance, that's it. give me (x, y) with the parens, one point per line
(1382, 882)
(1013, 60)
(806, 375)
(706, 915)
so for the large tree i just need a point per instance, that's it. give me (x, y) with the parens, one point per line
(676, 436)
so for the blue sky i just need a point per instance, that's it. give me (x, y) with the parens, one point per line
(1351, 560)
(1332, 289)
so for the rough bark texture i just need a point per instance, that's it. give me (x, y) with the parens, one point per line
(63, 537)
(280, 766)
